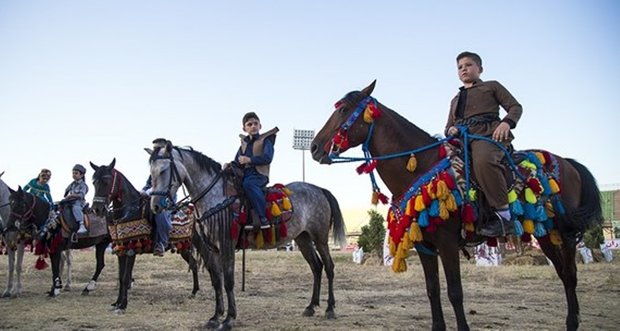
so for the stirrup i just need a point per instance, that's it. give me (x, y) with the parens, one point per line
(74, 237)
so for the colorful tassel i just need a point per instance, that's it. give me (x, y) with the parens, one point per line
(534, 184)
(555, 237)
(471, 194)
(415, 233)
(528, 226)
(512, 196)
(541, 157)
(419, 203)
(530, 197)
(555, 188)
(41, 264)
(442, 190)
(234, 230)
(423, 219)
(469, 227)
(451, 203)
(286, 203)
(518, 228)
(412, 164)
(272, 237)
(260, 241)
(283, 230)
(469, 215)
(443, 211)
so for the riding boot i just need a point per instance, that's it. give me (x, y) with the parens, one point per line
(497, 226)
(82, 229)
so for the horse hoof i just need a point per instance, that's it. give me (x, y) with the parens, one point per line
(119, 311)
(308, 312)
(226, 325)
(67, 288)
(212, 324)
(85, 292)
(6, 294)
(330, 315)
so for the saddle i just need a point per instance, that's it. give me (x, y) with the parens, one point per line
(70, 225)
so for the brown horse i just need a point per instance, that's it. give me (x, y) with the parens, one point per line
(385, 133)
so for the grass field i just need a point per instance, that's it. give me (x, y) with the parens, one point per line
(278, 289)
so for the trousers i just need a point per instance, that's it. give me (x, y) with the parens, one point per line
(163, 224)
(489, 172)
(253, 187)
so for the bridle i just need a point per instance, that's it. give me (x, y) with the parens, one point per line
(166, 196)
(115, 192)
(25, 216)
(340, 141)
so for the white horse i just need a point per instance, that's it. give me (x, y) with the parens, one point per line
(15, 248)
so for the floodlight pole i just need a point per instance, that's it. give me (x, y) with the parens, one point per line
(302, 140)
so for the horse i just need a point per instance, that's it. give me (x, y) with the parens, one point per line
(388, 140)
(316, 210)
(128, 205)
(32, 213)
(14, 246)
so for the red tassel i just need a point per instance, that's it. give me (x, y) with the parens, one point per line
(442, 151)
(383, 198)
(360, 168)
(492, 242)
(268, 234)
(234, 230)
(468, 213)
(131, 245)
(535, 185)
(40, 264)
(448, 179)
(283, 230)
(243, 217)
(425, 197)
(547, 157)
(526, 237)
(39, 249)
(55, 244)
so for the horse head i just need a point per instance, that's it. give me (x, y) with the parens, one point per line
(167, 175)
(348, 125)
(107, 186)
(24, 208)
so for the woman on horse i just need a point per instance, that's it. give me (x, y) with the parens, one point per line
(39, 187)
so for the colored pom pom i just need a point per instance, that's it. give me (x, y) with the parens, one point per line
(283, 230)
(457, 197)
(415, 233)
(434, 209)
(382, 197)
(426, 198)
(368, 115)
(286, 203)
(544, 181)
(234, 230)
(549, 209)
(443, 211)
(526, 238)
(512, 196)
(412, 164)
(374, 199)
(419, 203)
(539, 230)
(469, 227)
(528, 226)
(518, 228)
(275, 210)
(516, 208)
(360, 169)
(492, 242)
(534, 184)
(541, 215)
(442, 151)
(529, 211)
(445, 176)
(527, 164)
(541, 157)
(442, 190)
(555, 237)
(260, 241)
(410, 207)
(530, 197)
(558, 207)
(472, 194)
(423, 219)
(451, 203)
(40, 264)
(469, 215)
(553, 184)
(431, 190)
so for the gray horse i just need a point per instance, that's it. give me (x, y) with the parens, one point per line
(315, 212)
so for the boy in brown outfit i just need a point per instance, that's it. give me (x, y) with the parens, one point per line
(476, 106)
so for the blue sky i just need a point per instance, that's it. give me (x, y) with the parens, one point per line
(88, 81)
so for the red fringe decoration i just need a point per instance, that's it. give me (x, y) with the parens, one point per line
(234, 230)
(40, 264)
(492, 242)
(442, 151)
(360, 168)
(468, 213)
(366, 167)
(425, 197)
(535, 185)
(448, 179)
(382, 197)
(243, 218)
(283, 230)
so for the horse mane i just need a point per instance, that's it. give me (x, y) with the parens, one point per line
(205, 162)
(405, 135)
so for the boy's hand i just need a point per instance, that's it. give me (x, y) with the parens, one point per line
(244, 159)
(502, 132)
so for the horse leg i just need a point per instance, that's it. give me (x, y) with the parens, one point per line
(328, 263)
(431, 276)
(304, 242)
(9, 283)
(17, 287)
(187, 256)
(452, 269)
(126, 280)
(66, 257)
(563, 259)
(229, 286)
(121, 271)
(56, 281)
(215, 271)
(99, 254)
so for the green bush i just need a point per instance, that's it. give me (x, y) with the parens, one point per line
(593, 238)
(373, 234)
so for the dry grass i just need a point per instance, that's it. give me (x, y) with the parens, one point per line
(279, 287)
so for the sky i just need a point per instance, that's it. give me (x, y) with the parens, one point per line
(89, 81)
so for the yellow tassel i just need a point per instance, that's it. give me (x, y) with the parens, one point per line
(555, 237)
(287, 191)
(390, 217)
(469, 227)
(527, 164)
(540, 157)
(443, 211)
(472, 194)
(412, 164)
(399, 265)
(286, 203)
(405, 244)
(275, 210)
(419, 203)
(512, 196)
(415, 233)
(549, 209)
(528, 226)
(555, 188)
(409, 208)
(260, 241)
(429, 189)
(530, 197)
(442, 190)
(273, 235)
(392, 247)
(451, 203)
(367, 115)
(375, 198)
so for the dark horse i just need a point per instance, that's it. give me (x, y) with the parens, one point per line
(387, 133)
(111, 186)
(316, 210)
(29, 211)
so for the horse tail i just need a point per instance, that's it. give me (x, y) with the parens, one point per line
(337, 221)
(589, 212)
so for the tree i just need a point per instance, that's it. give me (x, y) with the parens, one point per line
(373, 235)
(593, 237)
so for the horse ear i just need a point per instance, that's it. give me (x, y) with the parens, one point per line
(168, 146)
(368, 90)
(148, 150)
(19, 189)
(111, 166)
(11, 190)
(92, 165)
(1, 174)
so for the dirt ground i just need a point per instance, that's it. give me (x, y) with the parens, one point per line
(278, 289)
